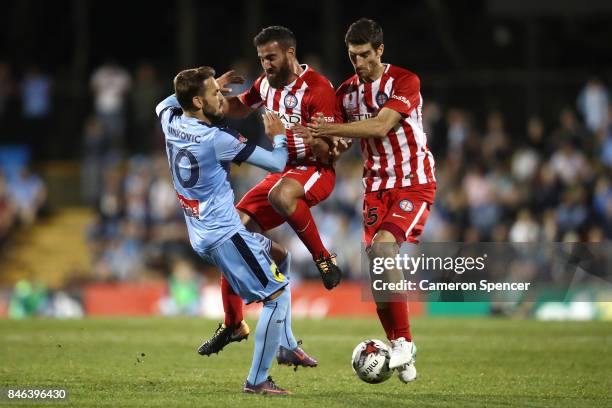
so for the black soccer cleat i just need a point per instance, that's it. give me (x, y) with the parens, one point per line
(222, 337)
(241, 332)
(330, 273)
(215, 344)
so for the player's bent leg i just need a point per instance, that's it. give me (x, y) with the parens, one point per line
(287, 198)
(284, 195)
(232, 304)
(232, 307)
(252, 274)
(242, 253)
(292, 196)
(233, 329)
(267, 339)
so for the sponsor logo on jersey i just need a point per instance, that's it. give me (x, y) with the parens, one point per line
(291, 101)
(287, 119)
(191, 208)
(360, 116)
(406, 205)
(381, 98)
(402, 99)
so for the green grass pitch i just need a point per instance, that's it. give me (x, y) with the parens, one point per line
(461, 362)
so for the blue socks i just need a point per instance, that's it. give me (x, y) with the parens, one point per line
(287, 338)
(268, 335)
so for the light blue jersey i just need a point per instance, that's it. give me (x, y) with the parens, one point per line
(199, 156)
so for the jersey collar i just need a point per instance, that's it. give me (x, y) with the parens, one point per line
(305, 69)
(387, 67)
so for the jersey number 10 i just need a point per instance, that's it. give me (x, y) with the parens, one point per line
(190, 207)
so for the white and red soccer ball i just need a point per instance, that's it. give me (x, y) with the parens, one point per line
(371, 361)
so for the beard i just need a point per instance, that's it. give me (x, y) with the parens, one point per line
(212, 115)
(281, 78)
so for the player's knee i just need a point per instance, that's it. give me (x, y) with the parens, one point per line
(383, 245)
(281, 199)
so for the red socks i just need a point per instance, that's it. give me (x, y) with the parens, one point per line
(232, 304)
(394, 319)
(385, 319)
(304, 226)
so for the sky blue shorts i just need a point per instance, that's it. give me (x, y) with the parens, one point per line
(245, 262)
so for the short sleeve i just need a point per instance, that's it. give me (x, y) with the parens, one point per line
(321, 99)
(230, 147)
(252, 97)
(166, 104)
(339, 112)
(405, 96)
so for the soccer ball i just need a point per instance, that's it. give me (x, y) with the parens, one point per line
(371, 361)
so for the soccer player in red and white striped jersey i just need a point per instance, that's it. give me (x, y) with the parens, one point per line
(382, 104)
(295, 93)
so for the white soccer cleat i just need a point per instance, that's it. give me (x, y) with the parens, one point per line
(402, 353)
(407, 373)
(404, 350)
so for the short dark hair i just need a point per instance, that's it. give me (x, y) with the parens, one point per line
(364, 31)
(189, 83)
(280, 34)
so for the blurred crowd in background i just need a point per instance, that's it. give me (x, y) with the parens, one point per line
(549, 182)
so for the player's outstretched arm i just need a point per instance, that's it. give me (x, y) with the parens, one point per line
(275, 160)
(230, 77)
(169, 102)
(378, 126)
(233, 106)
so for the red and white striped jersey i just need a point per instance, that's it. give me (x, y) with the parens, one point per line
(402, 158)
(296, 102)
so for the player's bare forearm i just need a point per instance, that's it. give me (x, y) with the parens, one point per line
(235, 109)
(378, 126)
(354, 130)
(321, 149)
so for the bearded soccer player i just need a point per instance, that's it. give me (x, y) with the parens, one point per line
(383, 104)
(294, 92)
(199, 154)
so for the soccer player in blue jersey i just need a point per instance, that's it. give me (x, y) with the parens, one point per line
(199, 153)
